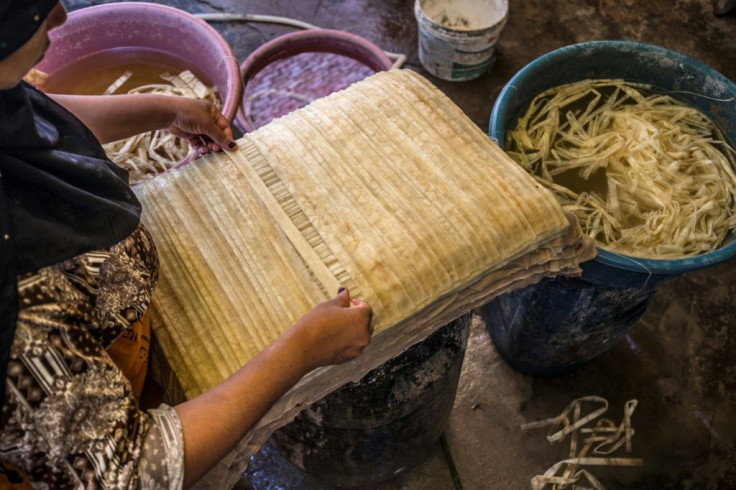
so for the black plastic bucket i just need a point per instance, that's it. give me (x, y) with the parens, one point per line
(389, 421)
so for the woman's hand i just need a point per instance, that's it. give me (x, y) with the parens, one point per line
(213, 422)
(116, 117)
(202, 125)
(332, 332)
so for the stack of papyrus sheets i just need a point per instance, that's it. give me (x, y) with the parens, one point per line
(386, 188)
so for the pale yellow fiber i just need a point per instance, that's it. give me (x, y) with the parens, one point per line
(648, 176)
(386, 188)
(146, 155)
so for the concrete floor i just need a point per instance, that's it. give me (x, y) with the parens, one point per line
(679, 361)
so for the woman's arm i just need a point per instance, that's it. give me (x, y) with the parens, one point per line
(115, 117)
(213, 423)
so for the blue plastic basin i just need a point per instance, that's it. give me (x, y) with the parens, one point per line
(689, 80)
(554, 326)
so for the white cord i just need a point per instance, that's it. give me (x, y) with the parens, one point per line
(397, 58)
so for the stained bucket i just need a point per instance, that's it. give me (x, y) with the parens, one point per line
(370, 431)
(457, 38)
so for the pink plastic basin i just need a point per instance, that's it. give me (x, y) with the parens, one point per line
(148, 26)
(302, 66)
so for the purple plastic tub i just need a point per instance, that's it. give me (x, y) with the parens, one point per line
(292, 70)
(148, 27)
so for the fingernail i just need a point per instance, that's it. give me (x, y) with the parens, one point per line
(340, 290)
(231, 145)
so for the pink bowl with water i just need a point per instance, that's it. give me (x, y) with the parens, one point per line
(148, 26)
(311, 63)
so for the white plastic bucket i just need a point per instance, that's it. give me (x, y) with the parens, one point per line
(457, 38)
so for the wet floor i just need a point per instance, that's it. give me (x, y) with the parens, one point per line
(678, 362)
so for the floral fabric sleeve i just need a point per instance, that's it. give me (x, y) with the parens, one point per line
(69, 419)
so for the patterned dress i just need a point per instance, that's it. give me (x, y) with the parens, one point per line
(69, 419)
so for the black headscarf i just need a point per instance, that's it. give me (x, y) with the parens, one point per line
(19, 20)
(59, 194)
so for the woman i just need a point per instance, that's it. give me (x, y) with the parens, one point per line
(78, 270)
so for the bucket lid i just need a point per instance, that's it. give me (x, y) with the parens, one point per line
(292, 70)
